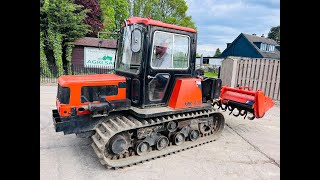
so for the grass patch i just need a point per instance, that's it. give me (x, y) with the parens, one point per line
(210, 74)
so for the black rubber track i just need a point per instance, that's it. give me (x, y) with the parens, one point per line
(116, 124)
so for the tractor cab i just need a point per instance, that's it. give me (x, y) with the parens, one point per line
(152, 55)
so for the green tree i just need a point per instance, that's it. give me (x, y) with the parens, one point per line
(55, 40)
(69, 48)
(108, 18)
(61, 23)
(43, 59)
(168, 11)
(93, 18)
(66, 18)
(198, 55)
(114, 12)
(218, 53)
(274, 34)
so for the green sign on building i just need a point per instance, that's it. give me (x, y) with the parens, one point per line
(103, 58)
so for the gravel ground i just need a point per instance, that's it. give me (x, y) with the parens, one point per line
(246, 150)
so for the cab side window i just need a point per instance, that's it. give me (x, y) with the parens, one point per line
(170, 51)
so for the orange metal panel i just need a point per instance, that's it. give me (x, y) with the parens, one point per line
(262, 105)
(76, 82)
(186, 93)
(90, 80)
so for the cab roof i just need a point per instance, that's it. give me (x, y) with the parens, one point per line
(92, 79)
(148, 21)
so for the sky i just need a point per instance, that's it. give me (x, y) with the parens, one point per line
(221, 21)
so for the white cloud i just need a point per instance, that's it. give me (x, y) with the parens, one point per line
(219, 28)
(220, 22)
(225, 9)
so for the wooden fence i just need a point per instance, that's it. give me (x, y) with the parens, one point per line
(257, 73)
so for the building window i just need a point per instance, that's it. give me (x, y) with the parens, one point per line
(271, 47)
(263, 46)
(266, 47)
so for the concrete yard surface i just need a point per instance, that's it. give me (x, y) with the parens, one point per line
(246, 150)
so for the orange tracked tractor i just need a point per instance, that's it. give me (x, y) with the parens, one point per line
(156, 103)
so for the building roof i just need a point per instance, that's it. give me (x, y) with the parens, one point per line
(255, 39)
(266, 54)
(274, 54)
(148, 21)
(94, 42)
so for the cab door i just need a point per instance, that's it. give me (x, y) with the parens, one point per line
(169, 59)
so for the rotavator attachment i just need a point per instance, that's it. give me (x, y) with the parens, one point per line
(254, 102)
